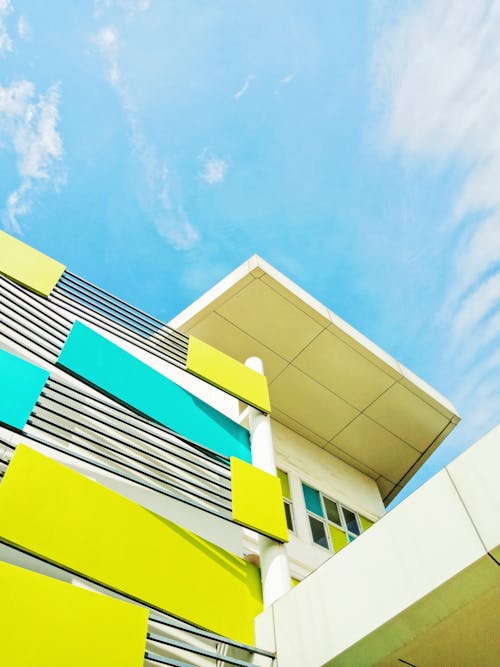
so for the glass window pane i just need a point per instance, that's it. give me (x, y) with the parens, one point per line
(285, 486)
(313, 502)
(352, 538)
(318, 532)
(289, 517)
(332, 511)
(350, 520)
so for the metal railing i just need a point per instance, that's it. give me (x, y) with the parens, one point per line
(77, 417)
(110, 469)
(172, 641)
(94, 305)
(31, 322)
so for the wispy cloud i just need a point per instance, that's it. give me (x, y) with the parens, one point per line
(214, 168)
(284, 82)
(239, 94)
(161, 202)
(438, 75)
(131, 7)
(5, 40)
(29, 122)
(24, 29)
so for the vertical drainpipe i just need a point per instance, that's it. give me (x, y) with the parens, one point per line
(275, 571)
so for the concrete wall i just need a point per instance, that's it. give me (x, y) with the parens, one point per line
(431, 557)
(305, 461)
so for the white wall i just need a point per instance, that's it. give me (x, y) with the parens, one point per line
(422, 562)
(305, 461)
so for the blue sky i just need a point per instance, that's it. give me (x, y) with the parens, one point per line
(153, 146)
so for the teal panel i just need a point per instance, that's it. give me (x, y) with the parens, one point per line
(20, 387)
(313, 502)
(108, 367)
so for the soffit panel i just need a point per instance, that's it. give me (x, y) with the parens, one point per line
(271, 319)
(351, 460)
(407, 416)
(376, 447)
(297, 427)
(258, 311)
(310, 403)
(428, 394)
(387, 488)
(343, 370)
(310, 307)
(217, 331)
(365, 347)
(465, 638)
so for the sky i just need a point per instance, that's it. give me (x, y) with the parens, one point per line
(154, 145)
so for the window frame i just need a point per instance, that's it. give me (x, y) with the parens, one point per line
(325, 520)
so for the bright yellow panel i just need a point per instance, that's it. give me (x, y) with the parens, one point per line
(285, 483)
(27, 266)
(338, 537)
(257, 500)
(48, 623)
(54, 512)
(228, 374)
(365, 523)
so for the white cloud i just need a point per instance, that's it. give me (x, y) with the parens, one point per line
(131, 7)
(478, 252)
(284, 82)
(24, 29)
(107, 42)
(167, 214)
(5, 40)
(214, 168)
(437, 71)
(475, 307)
(244, 87)
(29, 122)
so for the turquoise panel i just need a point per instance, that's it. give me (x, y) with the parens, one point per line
(108, 367)
(20, 387)
(313, 502)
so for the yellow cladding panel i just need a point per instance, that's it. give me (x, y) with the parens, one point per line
(257, 500)
(58, 514)
(27, 266)
(48, 623)
(228, 374)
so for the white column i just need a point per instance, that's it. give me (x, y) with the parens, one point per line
(275, 571)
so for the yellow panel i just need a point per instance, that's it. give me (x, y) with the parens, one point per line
(285, 484)
(27, 266)
(338, 537)
(257, 502)
(54, 512)
(365, 523)
(48, 623)
(228, 374)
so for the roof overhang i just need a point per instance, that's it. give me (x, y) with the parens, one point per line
(327, 381)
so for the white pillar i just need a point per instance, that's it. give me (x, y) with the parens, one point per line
(275, 571)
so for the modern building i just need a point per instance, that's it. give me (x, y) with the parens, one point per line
(161, 502)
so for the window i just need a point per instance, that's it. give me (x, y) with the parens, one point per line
(287, 498)
(332, 524)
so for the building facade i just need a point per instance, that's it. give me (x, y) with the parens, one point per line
(161, 502)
